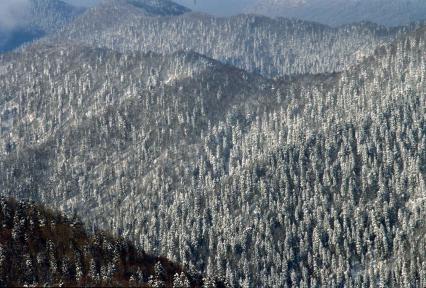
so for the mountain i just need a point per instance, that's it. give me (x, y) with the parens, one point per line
(158, 7)
(36, 19)
(261, 152)
(108, 15)
(42, 247)
(338, 12)
(11, 39)
(51, 15)
(270, 47)
(45, 17)
(314, 179)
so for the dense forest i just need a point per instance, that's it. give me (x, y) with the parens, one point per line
(272, 176)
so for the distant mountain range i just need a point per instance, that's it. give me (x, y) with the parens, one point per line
(270, 47)
(44, 17)
(338, 12)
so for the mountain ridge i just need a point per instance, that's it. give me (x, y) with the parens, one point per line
(335, 13)
(270, 47)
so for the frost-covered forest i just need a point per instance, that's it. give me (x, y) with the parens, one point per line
(198, 139)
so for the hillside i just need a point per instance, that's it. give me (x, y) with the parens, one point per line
(211, 165)
(270, 47)
(42, 247)
(339, 12)
(115, 107)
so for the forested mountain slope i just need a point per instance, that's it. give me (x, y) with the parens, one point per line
(37, 18)
(338, 12)
(305, 181)
(271, 47)
(84, 103)
(40, 247)
(352, 187)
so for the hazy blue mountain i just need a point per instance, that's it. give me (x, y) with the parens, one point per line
(42, 17)
(51, 15)
(338, 12)
(36, 19)
(10, 39)
(158, 7)
(110, 14)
